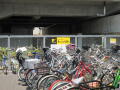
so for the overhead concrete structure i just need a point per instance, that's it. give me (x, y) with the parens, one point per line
(106, 25)
(69, 14)
(56, 7)
(49, 8)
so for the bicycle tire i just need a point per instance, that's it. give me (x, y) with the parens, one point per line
(20, 72)
(29, 77)
(43, 81)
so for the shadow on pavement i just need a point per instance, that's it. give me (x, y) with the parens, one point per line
(28, 88)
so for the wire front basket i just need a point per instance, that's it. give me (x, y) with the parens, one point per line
(93, 85)
(42, 68)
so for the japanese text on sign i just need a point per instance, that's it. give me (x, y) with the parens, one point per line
(113, 40)
(63, 40)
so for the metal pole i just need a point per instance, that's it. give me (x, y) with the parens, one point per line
(8, 41)
(76, 42)
(104, 42)
(44, 42)
(9, 59)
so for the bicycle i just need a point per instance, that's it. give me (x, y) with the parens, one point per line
(68, 77)
(4, 67)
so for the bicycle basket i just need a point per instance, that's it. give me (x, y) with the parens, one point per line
(42, 68)
(94, 85)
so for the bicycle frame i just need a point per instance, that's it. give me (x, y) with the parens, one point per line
(117, 79)
(68, 79)
(82, 69)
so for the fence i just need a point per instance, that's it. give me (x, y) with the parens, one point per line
(80, 41)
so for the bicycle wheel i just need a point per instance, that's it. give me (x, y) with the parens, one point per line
(5, 69)
(30, 77)
(13, 68)
(35, 81)
(107, 79)
(21, 73)
(45, 82)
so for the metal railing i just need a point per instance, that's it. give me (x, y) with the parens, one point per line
(14, 41)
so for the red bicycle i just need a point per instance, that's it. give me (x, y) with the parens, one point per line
(69, 81)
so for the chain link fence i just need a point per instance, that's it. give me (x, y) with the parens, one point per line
(3, 42)
(16, 42)
(84, 42)
(81, 41)
(45, 41)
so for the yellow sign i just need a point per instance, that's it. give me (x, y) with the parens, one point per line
(53, 40)
(113, 40)
(63, 40)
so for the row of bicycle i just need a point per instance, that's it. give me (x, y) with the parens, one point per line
(93, 69)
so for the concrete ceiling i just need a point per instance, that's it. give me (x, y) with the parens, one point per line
(58, 1)
(57, 8)
(49, 8)
(54, 0)
(23, 20)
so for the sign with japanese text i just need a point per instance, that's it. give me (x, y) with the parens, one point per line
(63, 40)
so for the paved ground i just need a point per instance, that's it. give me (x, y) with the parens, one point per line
(10, 82)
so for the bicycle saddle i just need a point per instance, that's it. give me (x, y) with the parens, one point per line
(78, 80)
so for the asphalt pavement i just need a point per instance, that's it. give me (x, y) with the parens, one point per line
(10, 82)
